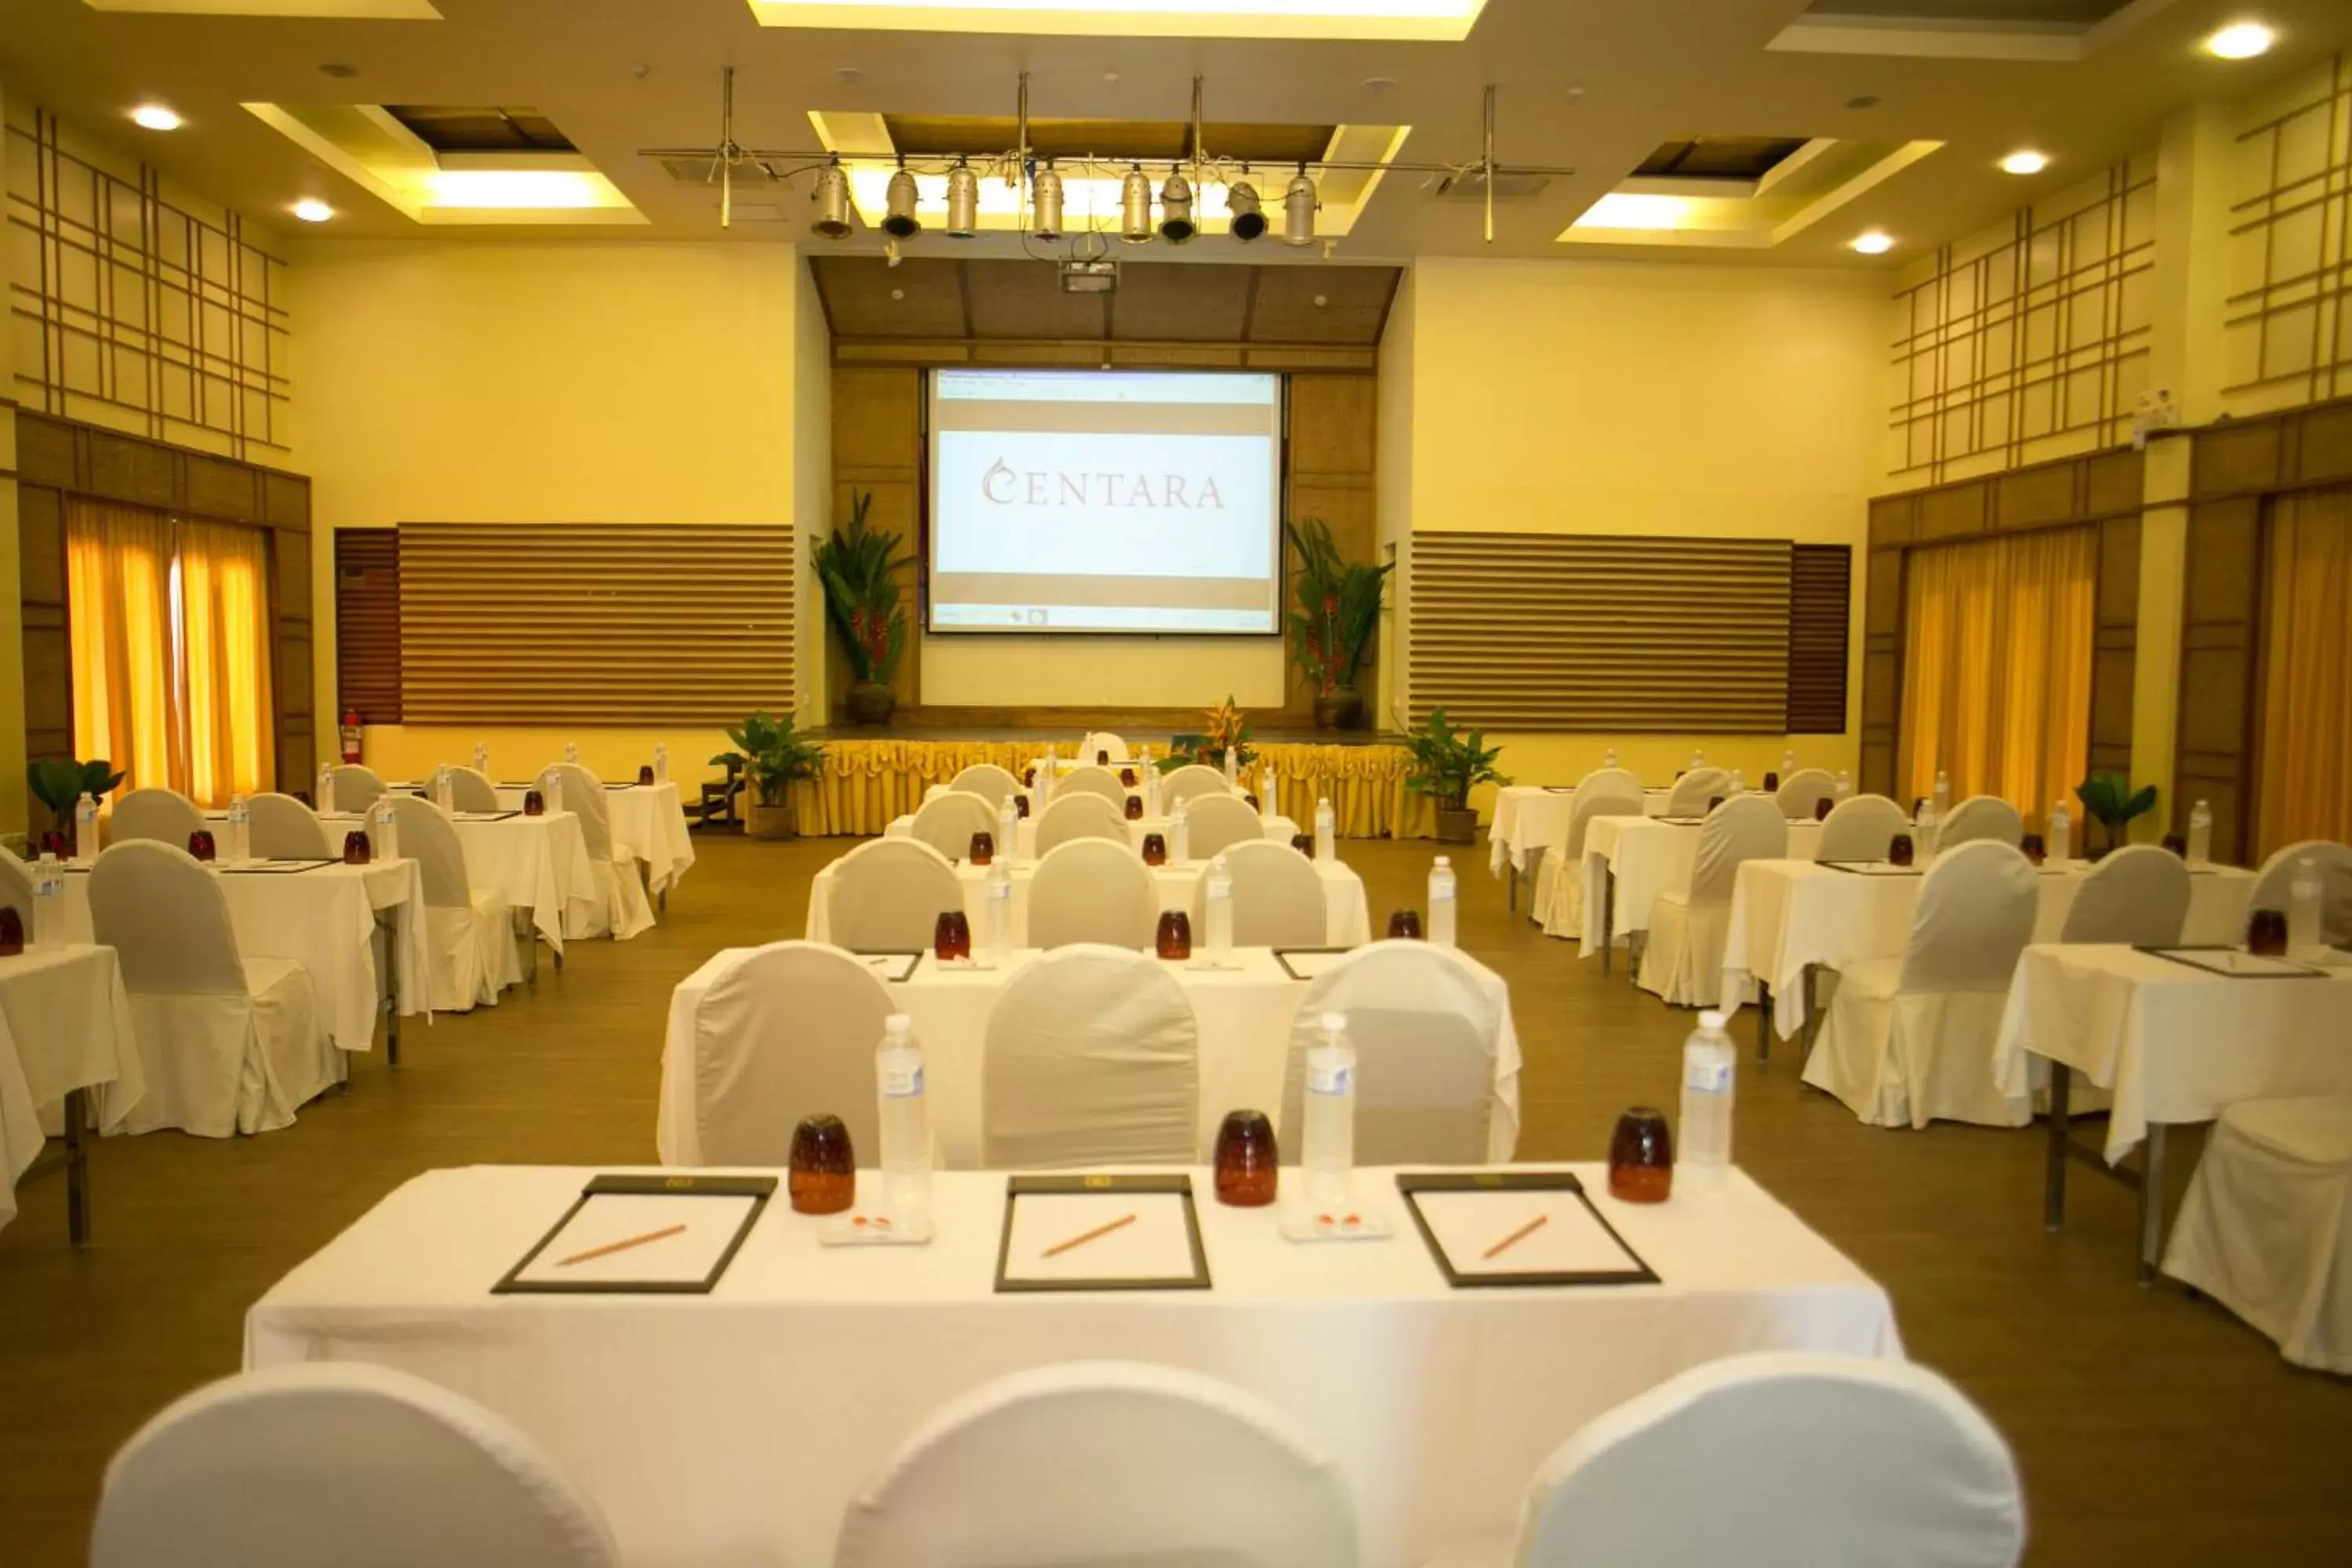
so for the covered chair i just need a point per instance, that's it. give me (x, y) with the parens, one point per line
(1079, 817)
(1103, 741)
(1604, 791)
(1102, 1463)
(164, 815)
(947, 823)
(339, 1462)
(986, 780)
(1091, 1058)
(1092, 889)
(1894, 1469)
(1690, 794)
(470, 789)
(1861, 830)
(283, 828)
(788, 1031)
(2266, 1228)
(16, 889)
(887, 896)
(2333, 862)
(2137, 896)
(1910, 1039)
(1191, 780)
(1089, 779)
(1979, 817)
(1801, 792)
(226, 1044)
(356, 788)
(1683, 960)
(617, 906)
(1278, 899)
(1437, 1057)
(1214, 823)
(469, 929)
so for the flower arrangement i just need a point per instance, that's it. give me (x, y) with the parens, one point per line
(1228, 728)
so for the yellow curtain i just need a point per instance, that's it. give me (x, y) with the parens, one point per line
(225, 660)
(2305, 789)
(1997, 668)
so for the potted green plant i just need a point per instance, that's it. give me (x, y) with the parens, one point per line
(1228, 728)
(858, 567)
(58, 781)
(1339, 605)
(1447, 764)
(2109, 800)
(772, 754)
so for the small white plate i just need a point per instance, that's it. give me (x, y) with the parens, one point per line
(858, 1229)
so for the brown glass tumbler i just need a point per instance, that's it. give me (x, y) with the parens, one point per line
(1029, 777)
(1898, 849)
(12, 933)
(1642, 1157)
(2035, 848)
(533, 804)
(1135, 808)
(1155, 849)
(1304, 843)
(824, 1170)
(1102, 759)
(1175, 938)
(1772, 783)
(356, 849)
(1822, 807)
(982, 851)
(1405, 923)
(1246, 1160)
(2267, 932)
(2177, 844)
(200, 844)
(951, 936)
(1020, 805)
(1127, 777)
(644, 772)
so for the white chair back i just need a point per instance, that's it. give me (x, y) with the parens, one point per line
(1103, 741)
(283, 828)
(583, 796)
(887, 896)
(1190, 780)
(986, 780)
(339, 1462)
(167, 918)
(1592, 800)
(1427, 1026)
(1092, 1058)
(1861, 829)
(17, 888)
(355, 788)
(1745, 827)
(1979, 817)
(1092, 889)
(1802, 792)
(1278, 899)
(1102, 1463)
(1214, 822)
(788, 1031)
(2272, 882)
(1976, 910)
(947, 823)
(1092, 780)
(1615, 781)
(1694, 789)
(470, 789)
(1893, 1466)
(427, 838)
(164, 815)
(2139, 895)
(1079, 817)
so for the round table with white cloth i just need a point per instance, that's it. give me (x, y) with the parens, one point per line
(1645, 856)
(64, 1024)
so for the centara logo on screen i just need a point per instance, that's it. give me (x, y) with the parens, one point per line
(1007, 485)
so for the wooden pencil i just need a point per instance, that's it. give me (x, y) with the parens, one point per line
(622, 1245)
(1516, 1237)
(1080, 1240)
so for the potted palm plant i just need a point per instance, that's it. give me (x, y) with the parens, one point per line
(1447, 764)
(858, 567)
(2109, 800)
(772, 754)
(58, 781)
(1339, 606)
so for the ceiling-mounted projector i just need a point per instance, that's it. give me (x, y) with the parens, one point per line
(1089, 275)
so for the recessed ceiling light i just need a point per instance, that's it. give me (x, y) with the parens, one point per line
(310, 209)
(2025, 162)
(1867, 100)
(2240, 41)
(155, 117)
(1377, 85)
(1874, 243)
(339, 70)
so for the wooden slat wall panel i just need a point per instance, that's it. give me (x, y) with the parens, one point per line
(1820, 590)
(594, 623)
(1549, 632)
(367, 623)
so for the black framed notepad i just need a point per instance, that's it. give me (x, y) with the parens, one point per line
(1100, 1233)
(2235, 963)
(1518, 1227)
(1308, 962)
(889, 965)
(1680, 821)
(1874, 867)
(275, 867)
(483, 815)
(635, 1235)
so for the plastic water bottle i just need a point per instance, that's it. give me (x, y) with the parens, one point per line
(2060, 844)
(1609, 758)
(1703, 1141)
(1233, 767)
(481, 759)
(906, 1120)
(1045, 780)
(85, 847)
(2302, 909)
(1327, 832)
(326, 786)
(48, 902)
(1220, 912)
(1180, 838)
(1843, 790)
(996, 920)
(240, 829)
(1788, 763)
(1943, 796)
(1008, 827)
(1267, 810)
(2201, 834)
(1327, 1144)
(1698, 759)
(443, 790)
(661, 762)
(1738, 782)
(1441, 902)
(1151, 801)
(550, 790)
(385, 839)
(571, 752)
(1924, 831)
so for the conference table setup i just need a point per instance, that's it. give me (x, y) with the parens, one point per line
(69, 1067)
(648, 826)
(538, 863)
(1530, 822)
(1630, 861)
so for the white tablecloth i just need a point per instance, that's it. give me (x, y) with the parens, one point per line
(730, 1431)
(647, 823)
(64, 1024)
(1786, 914)
(1281, 829)
(1648, 856)
(1530, 819)
(1346, 922)
(2173, 1044)
(323, 918)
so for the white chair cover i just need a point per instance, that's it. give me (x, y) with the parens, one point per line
(1782, 1459)
(470, 789)
(469, 929)
(1092, 889)
(1092, 1058)
(1609, 792)
(1683, 958)
(2266, 1228)
(1981, 817)
(617, 906)
(1103, 741)
(1094, 780)
(787, 1032)
(947, 823)
(356, 788)
(1860, 829)
(161, 815)
(2334, 865)
(343, 1463)
(17, 888)
(887, 897)
(1802, 792)
(1079, 817)
(988, 781)
(1191, 779)
(1102, 1465)
(1214, 823)
(1278, 899)
(1427, 1025)
(2137, 896)
(283, 828)
(1910, 1040)
(227, 1045)
(1694, 789)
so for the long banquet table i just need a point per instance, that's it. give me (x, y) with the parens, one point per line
(64, 1028)
(730, 1431)
(1281, 829)
(1630, 861)
(648, 823)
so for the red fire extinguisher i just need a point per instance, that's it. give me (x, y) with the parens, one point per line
(351, 736)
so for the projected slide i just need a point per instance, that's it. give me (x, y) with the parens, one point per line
(1141, 501)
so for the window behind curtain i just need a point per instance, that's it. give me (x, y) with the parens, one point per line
(2306, 715)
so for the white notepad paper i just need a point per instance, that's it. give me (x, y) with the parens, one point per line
(1571, 1239)
(1157, 1246)
(686, 1257)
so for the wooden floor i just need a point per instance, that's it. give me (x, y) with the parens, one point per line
(2152, 1428)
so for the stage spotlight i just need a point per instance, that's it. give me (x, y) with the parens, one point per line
(831, 197)
(1134, 207)
(1299, 205)
(1045, 203)
(898, 219)
(1176, 224)
(1248, 220)
(964, 202)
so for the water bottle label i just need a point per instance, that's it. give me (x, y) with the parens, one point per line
(1002, 892)
(1330, 1080)
(1708, 1076)
(901, 1083)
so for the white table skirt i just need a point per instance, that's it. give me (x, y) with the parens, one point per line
(1647, 857)
(1346, 922)
(647, 823)
(1787, 914)
(730, 1431)
(1281, 829)
(1532, 820)
(325, 920)
(2172, 1044)
(71, 1018)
